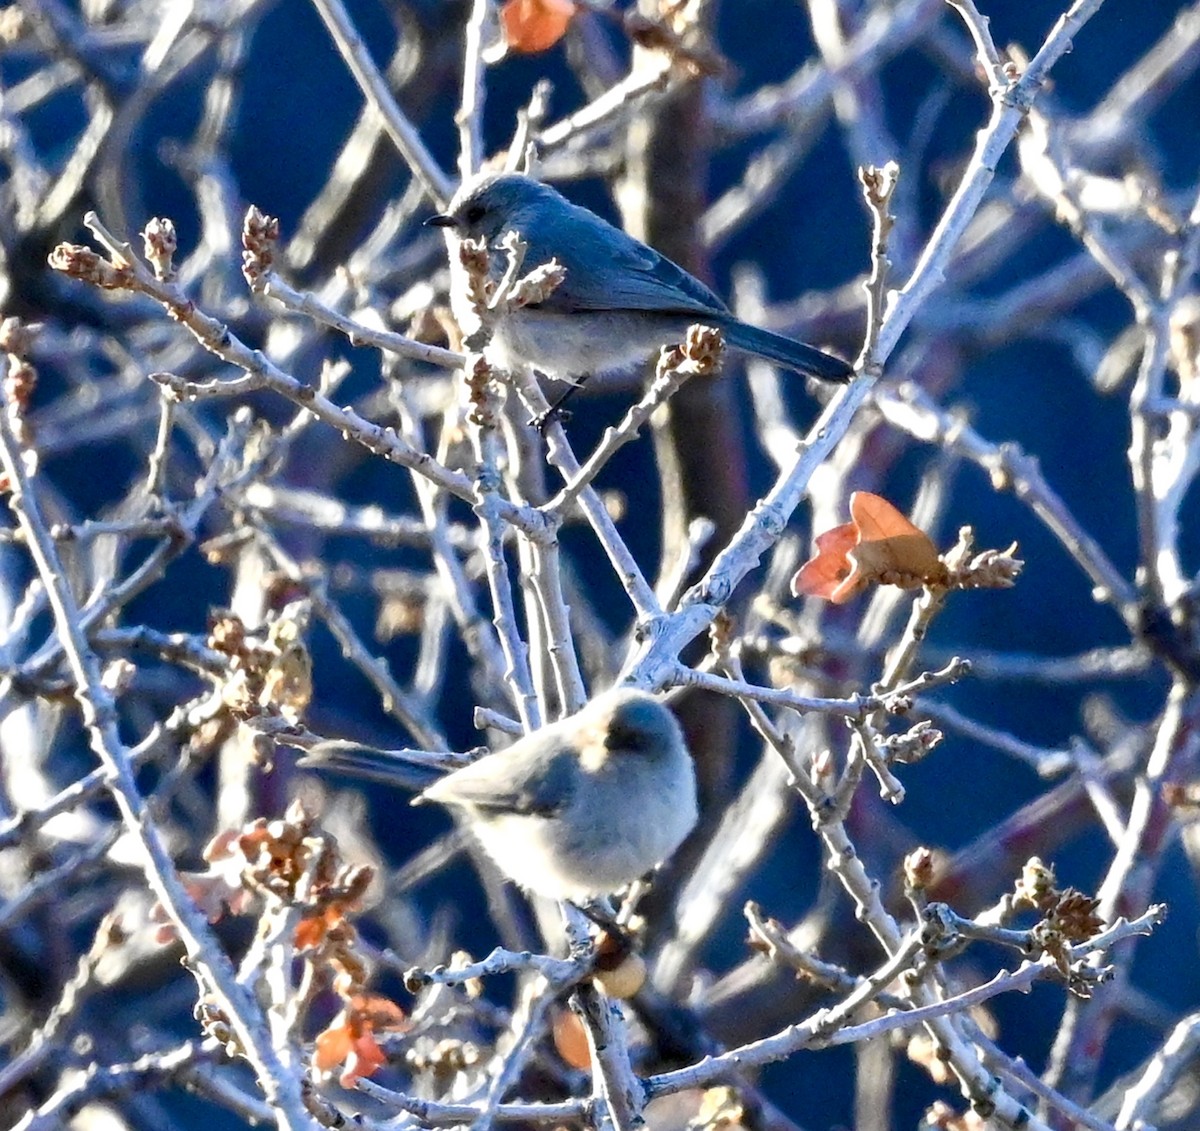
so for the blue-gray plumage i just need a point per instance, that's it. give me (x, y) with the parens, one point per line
(619, 302)
(583, 806)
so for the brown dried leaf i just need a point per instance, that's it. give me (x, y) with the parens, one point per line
(1075, 915)
(879, 545)
(571, 1040)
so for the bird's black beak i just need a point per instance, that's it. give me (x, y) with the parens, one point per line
(441, 220)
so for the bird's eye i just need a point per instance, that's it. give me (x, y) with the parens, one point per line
(474, 214)
(623, 737)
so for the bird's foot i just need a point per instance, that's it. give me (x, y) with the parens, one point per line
(555, 414)
(600, 911)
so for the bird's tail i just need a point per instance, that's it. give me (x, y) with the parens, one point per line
(403, 769)
(794, 355)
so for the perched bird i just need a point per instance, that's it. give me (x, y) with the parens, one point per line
(619, 302)
(583, 806)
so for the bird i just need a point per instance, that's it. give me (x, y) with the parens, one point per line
(618, 303)
(581, 807)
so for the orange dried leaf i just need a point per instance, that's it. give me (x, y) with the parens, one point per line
(311, 930)
(823, 574)
(890, 548)
(877, 519)
(350, 1038)
(535, 25)
(571, 1040)
(879, 545)
(364, 1058)
(333, 1045)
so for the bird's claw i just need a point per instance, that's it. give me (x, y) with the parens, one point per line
(554, 414)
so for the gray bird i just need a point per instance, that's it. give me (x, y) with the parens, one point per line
(619, 302)
(583, 806)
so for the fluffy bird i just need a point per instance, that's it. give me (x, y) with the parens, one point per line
(585, 805)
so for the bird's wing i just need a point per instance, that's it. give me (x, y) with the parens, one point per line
(610, 270)
(508, 785)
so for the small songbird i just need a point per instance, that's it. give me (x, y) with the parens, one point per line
(619, 302)
(585, 805)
